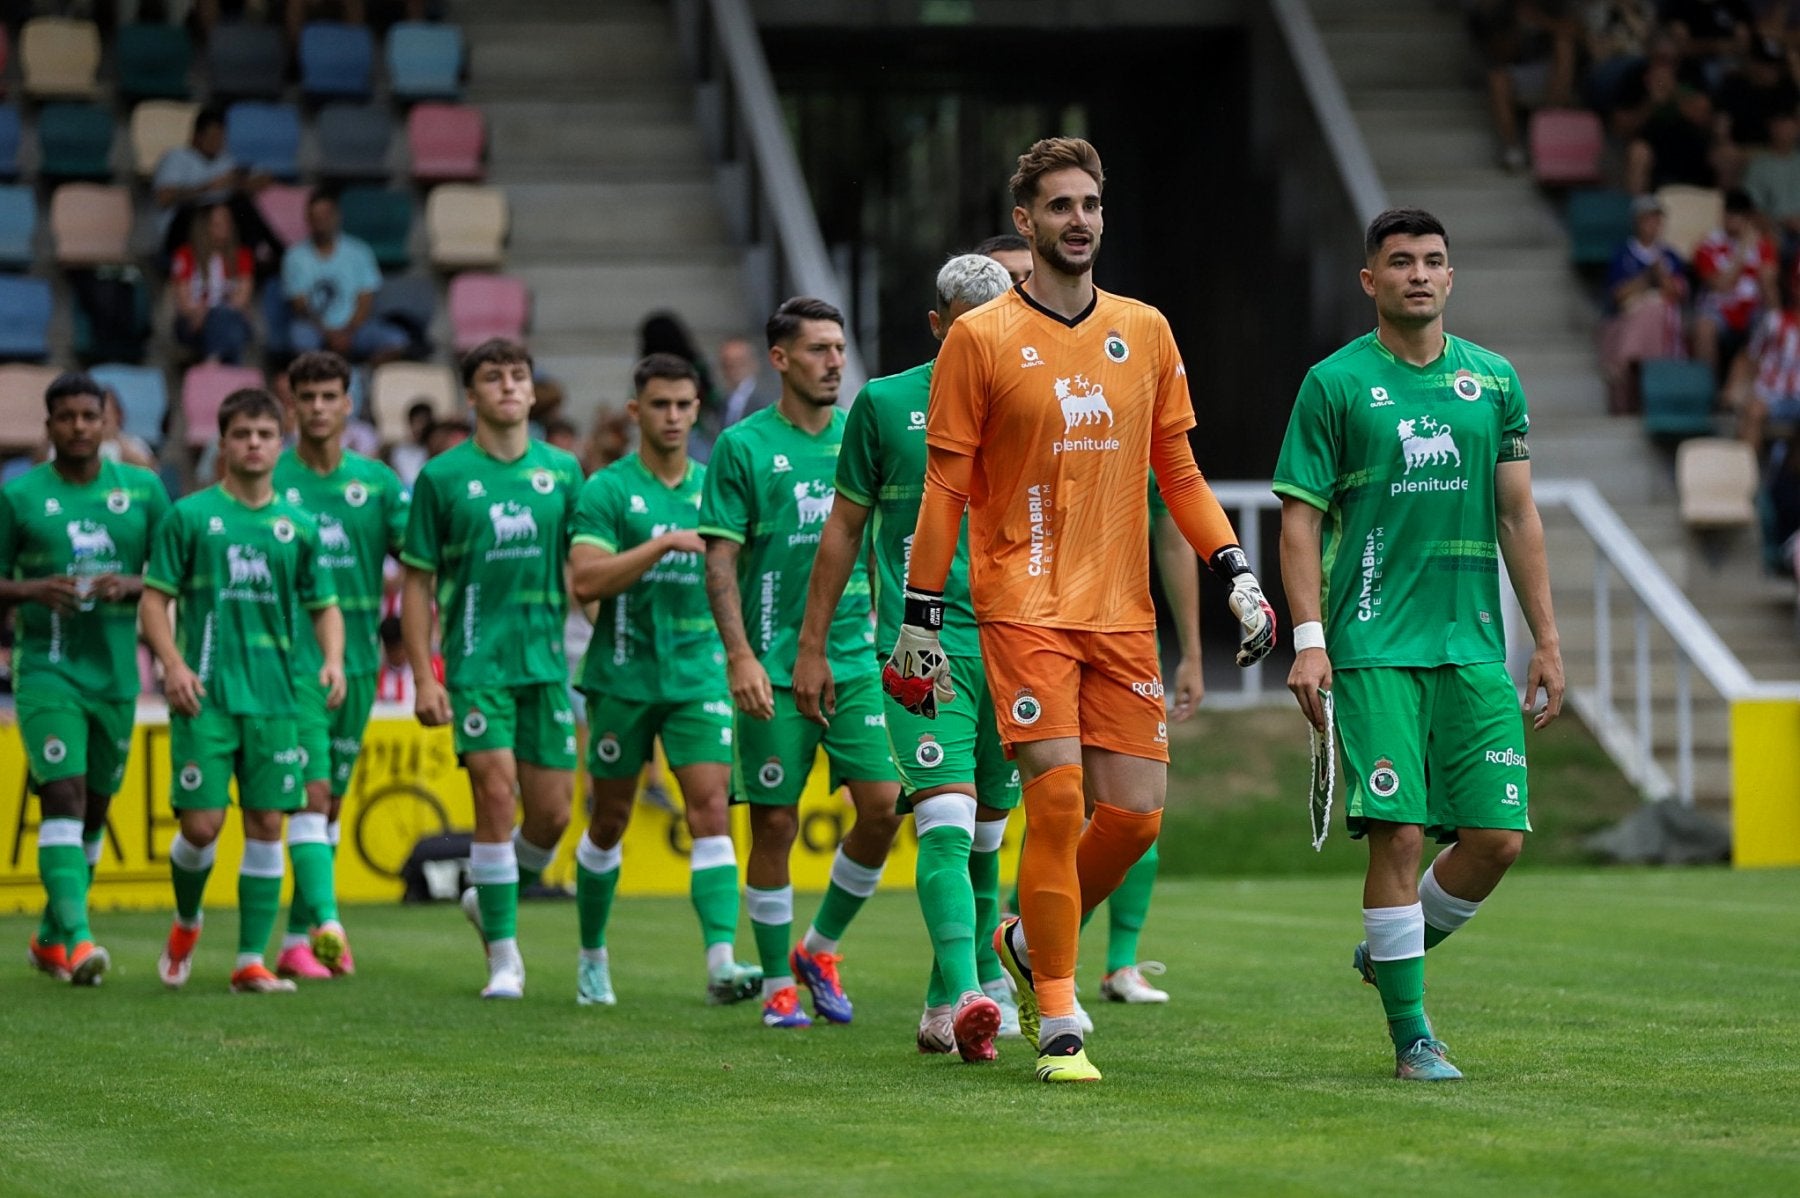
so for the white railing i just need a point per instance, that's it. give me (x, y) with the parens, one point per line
(1658, 605)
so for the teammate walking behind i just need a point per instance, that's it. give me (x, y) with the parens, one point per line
(74, 533)
(1405, 462)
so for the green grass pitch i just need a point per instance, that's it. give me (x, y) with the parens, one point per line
(1623, 1032)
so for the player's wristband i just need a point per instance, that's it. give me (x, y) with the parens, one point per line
(923, 609)
(1310, 635)
(1229, 562)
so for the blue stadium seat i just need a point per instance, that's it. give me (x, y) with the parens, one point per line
(278, 317)
(246, 60)
(75, 141)
(409, 301)
(336, 61)
(424, 61)
(1599, 221)
(24, 318)
(10, 136)
(354, 140)
(143, 396)
(383, 219)
(153, 61)
(264, 137)
(1678, 397)
(18, 225)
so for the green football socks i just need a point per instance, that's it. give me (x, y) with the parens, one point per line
(596, 881)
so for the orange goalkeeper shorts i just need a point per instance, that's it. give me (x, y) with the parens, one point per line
(1103, 687)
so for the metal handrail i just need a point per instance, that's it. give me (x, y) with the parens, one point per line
(1331, 107)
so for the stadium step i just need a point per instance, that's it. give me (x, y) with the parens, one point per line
(647, 136)
(706, 289)
(622, 220)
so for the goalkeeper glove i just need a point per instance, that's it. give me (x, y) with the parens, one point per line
(1255, 615)
(917, 674)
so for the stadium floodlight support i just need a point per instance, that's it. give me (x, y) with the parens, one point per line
(766, 200)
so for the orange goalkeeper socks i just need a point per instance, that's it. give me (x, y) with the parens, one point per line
(1114, 841)
(1049, 892)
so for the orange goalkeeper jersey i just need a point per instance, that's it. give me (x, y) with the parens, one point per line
(1058, 417)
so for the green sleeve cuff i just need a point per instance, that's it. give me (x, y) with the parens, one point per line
(1303, 495)
(729, 534)
(587, 538)
(853, 496)
(158, 584)
(417, 563)
(321, 604)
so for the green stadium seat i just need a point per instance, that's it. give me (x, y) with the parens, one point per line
(1678, 398)
(383, 219)
(75, 141)
(1599, 221)
(153, 62)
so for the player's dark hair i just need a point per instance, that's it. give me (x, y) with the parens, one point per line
(1001, 243)
(663, 366)
(250, 403)
(318, 366)
(1050, 155)
(72, 382)
(495, 351)
(785, 324)
(1401, 222)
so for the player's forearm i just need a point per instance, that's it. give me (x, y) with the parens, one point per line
(948, 477)
(1192, 504)
(415, 620)
(1181, 584)
(722, 596)
(832, 567)
(159, 630)
(1522, 545)
(1302, 572)
(596, 574)
(328, 630)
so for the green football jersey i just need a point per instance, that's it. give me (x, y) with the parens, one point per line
(1401, 459)
(656, 642)
(240, 576)
(361, 510)
(51, 526)
(496, 534)
(770, 488)
(882, 467)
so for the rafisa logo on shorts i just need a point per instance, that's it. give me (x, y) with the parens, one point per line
(771, 774)
(929, 753)
(1025, 708)
(55, 751)
(474, 724)
(190, 777)
(1383, 780)
(608, 749)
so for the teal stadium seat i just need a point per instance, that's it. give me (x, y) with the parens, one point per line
(75, 141)
(153, 62)
(424, 61)
(18, 225)
(383, 219)
(354, 140)
(1599, 220)
(1678, 398)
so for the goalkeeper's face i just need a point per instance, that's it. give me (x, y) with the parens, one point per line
(1064, 222)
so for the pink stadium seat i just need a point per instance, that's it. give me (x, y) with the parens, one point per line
(284, 208)
(90, 224)
(1566, 145)
(487, 305)
(447, 142)
(204, 389)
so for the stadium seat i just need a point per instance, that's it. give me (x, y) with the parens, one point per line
(143, 397)
(203, 389)
(409, 301)
(283, 206)
(1690, 213)
(59, 57)
(75, 141)
(383, 219)
(487, 305)
(1716, 480)
(466, 225)
(424, 61)
(22, 406)
(18, 225)
(264, 137)
(10, 137)
(277, 319)
(397, 386)
(447, 141)
(152, 61)
(110, 318)
(24, 319)
(1678, 397)
(1565, 146)
(1599, 221)
(336, 61)
(158, 126)
(90, 224)
(353, 140)
(246, 60)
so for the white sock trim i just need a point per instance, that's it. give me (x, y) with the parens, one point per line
(711, 852)
(332, 829)
(1394, 933)
(989, 835)
(853, 877)
(190, 856)
(93, 848)
(59, 834)
(597, 860)
(948, 810)
(308, 827)
(529, 855)
(770, 906)
(493, 864)
(262, 859)
(1443, 910)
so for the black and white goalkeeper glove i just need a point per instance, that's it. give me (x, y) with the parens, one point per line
(1255, 615)
(917, 674)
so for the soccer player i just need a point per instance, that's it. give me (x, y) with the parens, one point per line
(654, 668)
(769, 490)
(361, 508)
(955, 776)
(74, 534)
(1049, 407)
(239, 561)
(1011, 251)
(1404, 480)
(490, 524)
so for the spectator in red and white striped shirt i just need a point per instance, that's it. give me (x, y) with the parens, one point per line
(1765, 379)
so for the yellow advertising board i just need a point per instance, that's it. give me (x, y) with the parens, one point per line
(407, 786)
(1765, 798)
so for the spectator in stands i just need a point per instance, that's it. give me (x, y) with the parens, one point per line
(201, 174)
(1647, 287)
(1530, 50)
(1619, 36)
(1783, 505)
(211, 279)
(1711, 33)
(410, 456)
(444, 435)
(740, 373)
(665, 333)
(1773, 179)
(1677, 140)
(1011, 251)
(330, 280)
(117, 445)
(1751, 96)
(1765, 379)
(1736, 266)
(608, 441)
(562, 434)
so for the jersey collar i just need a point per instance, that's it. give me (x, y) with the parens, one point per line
(1058, 317)
(1429, 367)
(637, 461)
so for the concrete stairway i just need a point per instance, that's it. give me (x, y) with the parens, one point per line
(614, 209)
(1415, 87)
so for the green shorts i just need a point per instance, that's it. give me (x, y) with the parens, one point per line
(73, 736)
(623, 732)
(332, 740)
(534, 721)
(774, 756)
(1442, 747)
(262, 751)
(962, 745)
